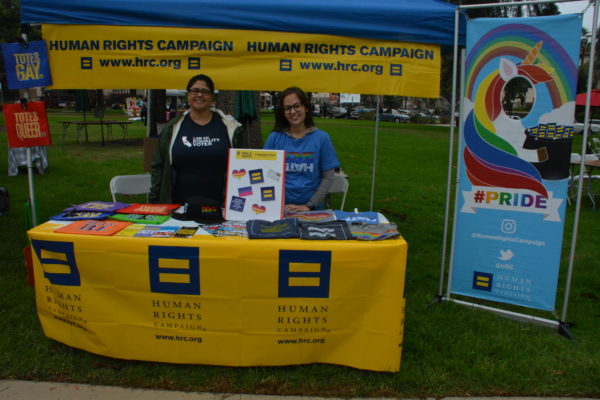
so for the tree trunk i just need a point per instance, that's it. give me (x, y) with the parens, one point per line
(251, 129)
(157, 112)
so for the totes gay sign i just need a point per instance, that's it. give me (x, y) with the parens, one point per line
(27, 127)
(26, 67)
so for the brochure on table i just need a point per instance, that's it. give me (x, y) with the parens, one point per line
(255, 182)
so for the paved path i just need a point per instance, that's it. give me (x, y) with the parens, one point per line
(29, 390)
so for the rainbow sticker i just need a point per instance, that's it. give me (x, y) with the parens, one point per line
(238, 173)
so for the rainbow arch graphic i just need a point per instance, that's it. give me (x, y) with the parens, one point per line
(513, 50)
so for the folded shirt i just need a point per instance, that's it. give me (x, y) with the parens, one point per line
(311, 216)
(103, 206)
(337, 230)
(365, 231)
(280, 229)
(80, 215)
(141, 218)
(369, 217)
(149, 209)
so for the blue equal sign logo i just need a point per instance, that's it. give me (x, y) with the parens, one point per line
(174, 269)
(304, 273)
(482, 281)
(267, 193)
(58, 262)
(86, 63)
(396, 69)
(193, 62)
(285, 65)
(256, 176)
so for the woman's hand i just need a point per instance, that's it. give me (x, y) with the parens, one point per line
(296, 207)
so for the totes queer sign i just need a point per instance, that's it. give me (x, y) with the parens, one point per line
(28, 126)
(26, 67)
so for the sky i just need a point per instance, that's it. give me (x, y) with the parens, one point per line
(577, 7)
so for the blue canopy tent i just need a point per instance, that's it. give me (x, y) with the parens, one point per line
(423, 21)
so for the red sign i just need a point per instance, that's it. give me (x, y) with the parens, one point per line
(27, 127)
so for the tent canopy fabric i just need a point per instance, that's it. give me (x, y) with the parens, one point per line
(594, 98)
(422, 21)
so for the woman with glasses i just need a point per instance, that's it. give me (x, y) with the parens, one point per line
(310, 156)
(190, 162)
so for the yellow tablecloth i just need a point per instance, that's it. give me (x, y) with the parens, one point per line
(223, 301)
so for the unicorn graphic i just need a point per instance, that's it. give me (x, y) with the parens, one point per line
(508, 153)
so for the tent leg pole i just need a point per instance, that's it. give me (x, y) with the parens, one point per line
(586, 125)
(375, 153)
(450, 153)
(563, 329)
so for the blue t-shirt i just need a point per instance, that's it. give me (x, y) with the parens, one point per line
(305, 159)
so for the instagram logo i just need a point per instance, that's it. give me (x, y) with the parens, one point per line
(508, 226)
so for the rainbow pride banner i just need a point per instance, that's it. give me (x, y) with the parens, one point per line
(514, 172)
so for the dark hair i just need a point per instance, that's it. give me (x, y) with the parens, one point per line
(201, 77)
(281, 122)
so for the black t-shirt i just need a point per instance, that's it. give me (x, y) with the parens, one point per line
(200, 160)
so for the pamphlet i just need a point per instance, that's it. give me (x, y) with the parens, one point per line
(186, 232)
(157, 231)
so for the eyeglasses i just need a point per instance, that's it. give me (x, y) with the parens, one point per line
(296, 107)
(197, 91)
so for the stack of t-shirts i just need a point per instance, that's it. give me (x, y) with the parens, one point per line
(281, 229)
(292, 228)
(337, 230)
(366, 225)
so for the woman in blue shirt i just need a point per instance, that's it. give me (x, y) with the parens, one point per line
(310, 156)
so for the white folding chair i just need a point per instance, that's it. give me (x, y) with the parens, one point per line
(588, 179)
(340, 185)
(130, 185)
(595, 146)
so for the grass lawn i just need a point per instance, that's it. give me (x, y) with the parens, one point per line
(449, 350)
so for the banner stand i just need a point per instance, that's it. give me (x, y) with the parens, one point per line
(561, 325)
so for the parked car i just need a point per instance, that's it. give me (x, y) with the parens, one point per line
(360, 112)
(594, 126)
(337, 112)
(393, 116)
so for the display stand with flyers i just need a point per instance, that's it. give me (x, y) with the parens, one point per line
(255, 185)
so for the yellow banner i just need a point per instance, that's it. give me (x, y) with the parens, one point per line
(113, 57)
(223, 301)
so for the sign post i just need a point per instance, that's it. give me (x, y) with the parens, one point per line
(27, 126)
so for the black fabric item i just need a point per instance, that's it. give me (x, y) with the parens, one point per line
(280, 229)
(337, 230)
(199, 157)
(4, 201)
(201, 210)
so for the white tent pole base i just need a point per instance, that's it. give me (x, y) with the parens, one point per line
(549, 323)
